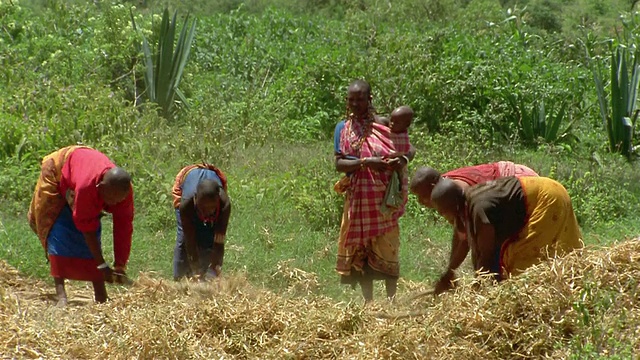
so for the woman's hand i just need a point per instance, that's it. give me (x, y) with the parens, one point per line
(211, 273)
(107, 273)
(445, 283)
(397, 163)
(376, 163)
(120, 276)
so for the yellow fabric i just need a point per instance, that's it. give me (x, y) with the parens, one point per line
(47, 202)
(551, 228)
(380, 253)
(342, 185)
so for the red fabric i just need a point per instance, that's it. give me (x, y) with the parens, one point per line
(74, 268)
(81, 174)
(479, 174)
(508, 168)
(474, 175)
(368, 186)
(122, 230)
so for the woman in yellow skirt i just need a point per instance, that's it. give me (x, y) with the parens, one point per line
(508, 224)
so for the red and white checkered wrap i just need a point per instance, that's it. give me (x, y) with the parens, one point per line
(508, 168)
(368, 186)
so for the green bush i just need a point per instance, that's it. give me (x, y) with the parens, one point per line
(263, 74)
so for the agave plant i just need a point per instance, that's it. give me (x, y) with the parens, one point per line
(162, 76)
(621, 120)
(540, 121)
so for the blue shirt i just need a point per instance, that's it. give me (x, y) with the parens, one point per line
(336, 140)
(190, 184)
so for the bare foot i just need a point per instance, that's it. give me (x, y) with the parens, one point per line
(62, 302)
(60, 292)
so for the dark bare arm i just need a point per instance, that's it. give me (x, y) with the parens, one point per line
(350, 165)
(411, 153)
(484, 246)
(459, 251)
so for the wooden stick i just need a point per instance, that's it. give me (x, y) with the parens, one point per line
(381, 315)
(424, 293)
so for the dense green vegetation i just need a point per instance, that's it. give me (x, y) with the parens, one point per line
(265, 83)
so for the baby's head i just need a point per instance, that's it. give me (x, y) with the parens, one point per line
(400, 119)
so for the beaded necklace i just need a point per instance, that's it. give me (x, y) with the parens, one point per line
(366, 123)
(207, 220)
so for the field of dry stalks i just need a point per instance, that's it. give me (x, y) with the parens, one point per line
(588, 300)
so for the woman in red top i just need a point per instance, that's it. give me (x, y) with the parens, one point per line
(426, 178)
(75, 186)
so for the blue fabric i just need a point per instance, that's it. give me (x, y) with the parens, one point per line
(66, 240)
(204, 231)
(336, 137)
(204, 241)
(190, 184)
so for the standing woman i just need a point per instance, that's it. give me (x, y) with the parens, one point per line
(369, 240)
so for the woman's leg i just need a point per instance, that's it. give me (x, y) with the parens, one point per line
(60, 291)
(382, 260)
(99, 291)
(391, 285)
(181, 266)
(366, 283)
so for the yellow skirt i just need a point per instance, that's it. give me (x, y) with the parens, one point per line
(551, 228)
(379, 254)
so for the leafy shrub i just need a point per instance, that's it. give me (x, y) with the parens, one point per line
(545, 14)
(261, 74)
(601, 193)
(314, 197)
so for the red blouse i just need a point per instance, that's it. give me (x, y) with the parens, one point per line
(81, 174)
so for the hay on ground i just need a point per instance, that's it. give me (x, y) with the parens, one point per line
(588, 301)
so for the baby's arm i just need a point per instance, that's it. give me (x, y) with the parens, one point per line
(381, 120)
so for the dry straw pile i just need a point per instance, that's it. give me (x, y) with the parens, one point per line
(589, 300)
